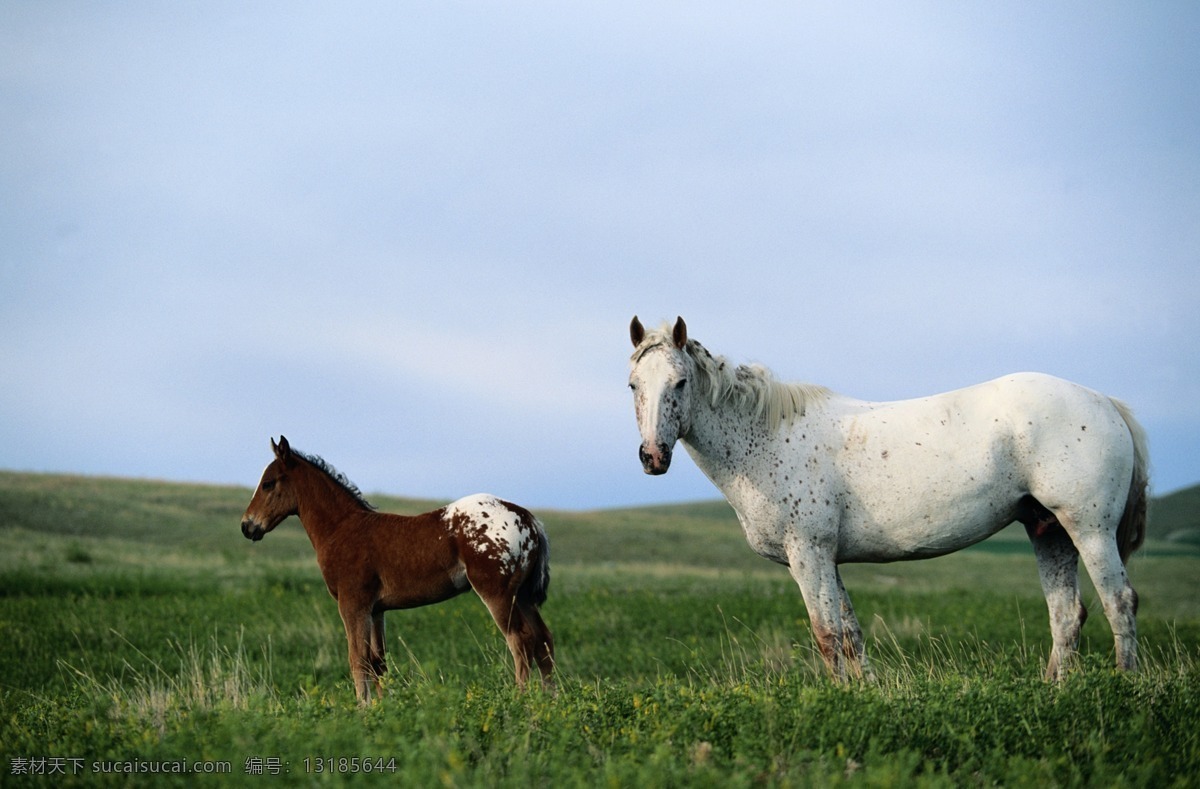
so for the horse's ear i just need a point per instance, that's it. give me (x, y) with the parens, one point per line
(679, 334)
(283, 450)
(637, 332)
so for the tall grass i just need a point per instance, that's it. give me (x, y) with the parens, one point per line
(216, 677)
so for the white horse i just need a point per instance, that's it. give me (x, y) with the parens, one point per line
(818, 479)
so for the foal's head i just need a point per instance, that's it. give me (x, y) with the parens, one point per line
(275, 498)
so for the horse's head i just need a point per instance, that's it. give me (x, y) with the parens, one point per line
(661, 379)
(275, 498)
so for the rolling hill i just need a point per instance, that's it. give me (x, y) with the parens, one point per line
(204, 520)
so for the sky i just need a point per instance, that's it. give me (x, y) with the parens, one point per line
(410, 236)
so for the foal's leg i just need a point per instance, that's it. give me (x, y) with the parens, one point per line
(357, 621)
(378, 649)
(512, 623)
(1058, 568)
(539, 643)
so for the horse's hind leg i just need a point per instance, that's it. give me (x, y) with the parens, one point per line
(528, 638)
(540, 643)
(1104, 565)
(1057, 561)
(513, 625)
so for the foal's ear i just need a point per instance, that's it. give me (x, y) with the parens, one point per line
(679, 334)
(282, 450)
(637, 332)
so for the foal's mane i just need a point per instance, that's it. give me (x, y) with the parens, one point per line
(338, 477)
(751, 389)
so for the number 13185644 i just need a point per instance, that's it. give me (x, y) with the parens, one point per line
(349, 764)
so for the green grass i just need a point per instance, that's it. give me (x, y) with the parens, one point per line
(138, 627)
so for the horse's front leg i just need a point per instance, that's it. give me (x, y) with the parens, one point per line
(356, 618)
(815, 572)
(378, 649)
(852, 644)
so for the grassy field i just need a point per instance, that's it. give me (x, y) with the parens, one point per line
(139, 631)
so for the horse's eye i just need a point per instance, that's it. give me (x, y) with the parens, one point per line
(633, 386)
(682, 383)
(268, 485)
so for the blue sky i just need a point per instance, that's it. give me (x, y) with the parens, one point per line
(410, 236)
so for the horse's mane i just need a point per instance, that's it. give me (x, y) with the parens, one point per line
(341, 479)
(751, 389)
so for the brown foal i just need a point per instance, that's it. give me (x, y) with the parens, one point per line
(374, 562)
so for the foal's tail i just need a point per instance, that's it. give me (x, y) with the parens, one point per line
(536, 586)
(1131, 531)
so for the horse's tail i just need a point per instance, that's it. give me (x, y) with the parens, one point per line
(1131, 531)
(536, 586)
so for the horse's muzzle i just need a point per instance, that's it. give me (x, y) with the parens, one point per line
(252, 531)
(656, 462)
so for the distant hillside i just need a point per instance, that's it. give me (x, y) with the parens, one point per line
(203, 521)
(1176, 517)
